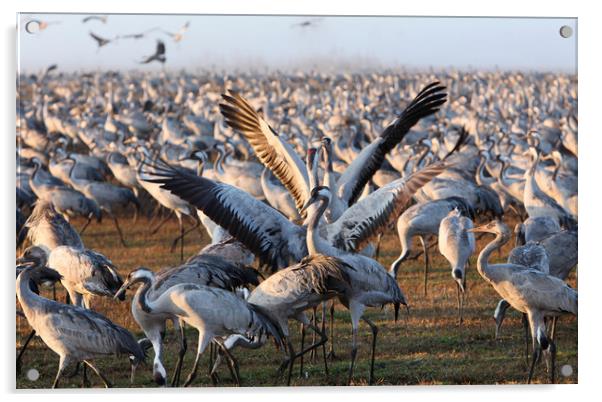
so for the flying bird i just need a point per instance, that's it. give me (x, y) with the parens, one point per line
(177, 36)
(101, 18)
(307, 23)
(100, 41)
(159, 54)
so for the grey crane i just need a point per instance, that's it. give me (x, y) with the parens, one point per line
(47, 228)
(38, 277)
(290, 292)
(206, 270)
(106, 195)
(529, 291)
(457, 244)
(212, 311)
(66, 200)
(538, 203)
(371, 285)
(85, 273)
(423, 219)
(159, 54)
(100, 41)
(73, 333)
(542, 245)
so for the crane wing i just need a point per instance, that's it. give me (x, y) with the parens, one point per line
(364, 220)
(360, 171)
(261, 228)
(543, 291)
(530, 255)
(272, 151)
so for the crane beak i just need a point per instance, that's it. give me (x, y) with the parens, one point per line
(478, 229)
(311, 200)
(120, 294)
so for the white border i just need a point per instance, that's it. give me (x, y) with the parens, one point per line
(591, 268)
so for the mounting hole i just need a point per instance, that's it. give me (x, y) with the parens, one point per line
(566, 370)
(32, 26)
(33, 374)
(566, 31)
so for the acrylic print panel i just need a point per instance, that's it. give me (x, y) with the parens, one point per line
(276, 190)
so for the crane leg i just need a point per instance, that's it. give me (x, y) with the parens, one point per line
(118, 229)
(212, 355)
(353, 354)
(181, 237)
(22, 350)
(85, 380)
(378, 240)
(426, 262)
(106, 382)
(63, 362)
(331, 355)
(181, 241)
(165, 219)
(175, 381)
(460, 297)
(553, 330)
(81, 232)
(552, 361)
(536, 354)
(374, 329)
(323, 328)
(302, 346)
(291, 363)
(204, 341)
(314, 320)
(526, 330)
(232, 363)
(314, 346)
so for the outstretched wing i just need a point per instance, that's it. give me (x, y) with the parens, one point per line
(261, 228)
(272, 151)
(364, 220)
(360, 171)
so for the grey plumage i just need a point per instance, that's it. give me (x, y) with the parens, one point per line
(46, 227)
(529, 291)
(74, 333)
(85, 273)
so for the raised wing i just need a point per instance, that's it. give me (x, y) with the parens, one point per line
(360, 171)
(272, 151)
(261, 228)
(364, 220)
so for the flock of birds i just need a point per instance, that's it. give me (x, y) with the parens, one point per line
(33, 26)
(300, 175)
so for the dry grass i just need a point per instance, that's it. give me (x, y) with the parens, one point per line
(425, 347)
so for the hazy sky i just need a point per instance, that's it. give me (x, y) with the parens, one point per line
(243, 42)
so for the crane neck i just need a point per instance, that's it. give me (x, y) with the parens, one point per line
(219, 163)
(77, 182)
(483, 259)
(315, 243)
(423, 155)
(481, 179)
(27, 298)
(141, 295)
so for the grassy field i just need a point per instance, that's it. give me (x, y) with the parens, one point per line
(428, 346)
